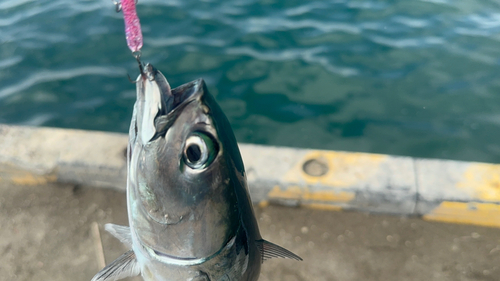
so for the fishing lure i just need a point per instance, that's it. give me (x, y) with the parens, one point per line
(133, 31)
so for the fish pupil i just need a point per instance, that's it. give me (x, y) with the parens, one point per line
(193, 153)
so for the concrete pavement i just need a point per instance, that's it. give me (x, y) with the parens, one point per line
(47, 234)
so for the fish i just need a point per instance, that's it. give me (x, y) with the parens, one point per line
(189, 209)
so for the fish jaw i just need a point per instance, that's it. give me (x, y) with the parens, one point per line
(153, 90)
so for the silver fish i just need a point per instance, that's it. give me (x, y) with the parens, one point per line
(189, 210)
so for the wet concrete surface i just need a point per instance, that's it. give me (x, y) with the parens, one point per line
(46, 234)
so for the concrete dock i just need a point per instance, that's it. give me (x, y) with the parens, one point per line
(350, 216)
(49, 233)
(436, 190)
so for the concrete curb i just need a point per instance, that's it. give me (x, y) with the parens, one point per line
(440, 190)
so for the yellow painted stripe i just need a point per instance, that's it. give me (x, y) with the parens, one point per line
(344, 169)
(325, 207)
(485, 214)
(482, 181)
(263, 204)
(30, 179)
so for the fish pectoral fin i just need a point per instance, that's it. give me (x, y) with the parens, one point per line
(124, 266)
(121, 232)
(269, 250)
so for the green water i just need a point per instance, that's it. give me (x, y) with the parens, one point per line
(416, 78)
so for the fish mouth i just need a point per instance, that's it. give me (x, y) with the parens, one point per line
(161, 104)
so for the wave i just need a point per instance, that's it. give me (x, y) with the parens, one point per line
(11, 4)
(307, 55)
(181, 40)
(408, 42)
(10, 62)
(48, 76)
(264, 25)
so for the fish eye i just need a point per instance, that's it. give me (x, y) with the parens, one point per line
(200, 150)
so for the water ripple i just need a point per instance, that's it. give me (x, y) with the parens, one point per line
(181, 40)
(472, 32)
(26, 14)
(263, 25)
(411, 22)
(168, 3)
(437, 1)
(48, 76)
(486, 21)
(12, 20)
(11, 4)
(366, 5)
(285, 55)
(303, 9)
(408, 42)
(306, 55)
(10, 61)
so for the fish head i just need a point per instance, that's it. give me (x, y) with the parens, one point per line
(184, 166)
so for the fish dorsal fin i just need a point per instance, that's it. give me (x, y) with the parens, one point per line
(269, 250)
(122, 233)
(124, 266)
